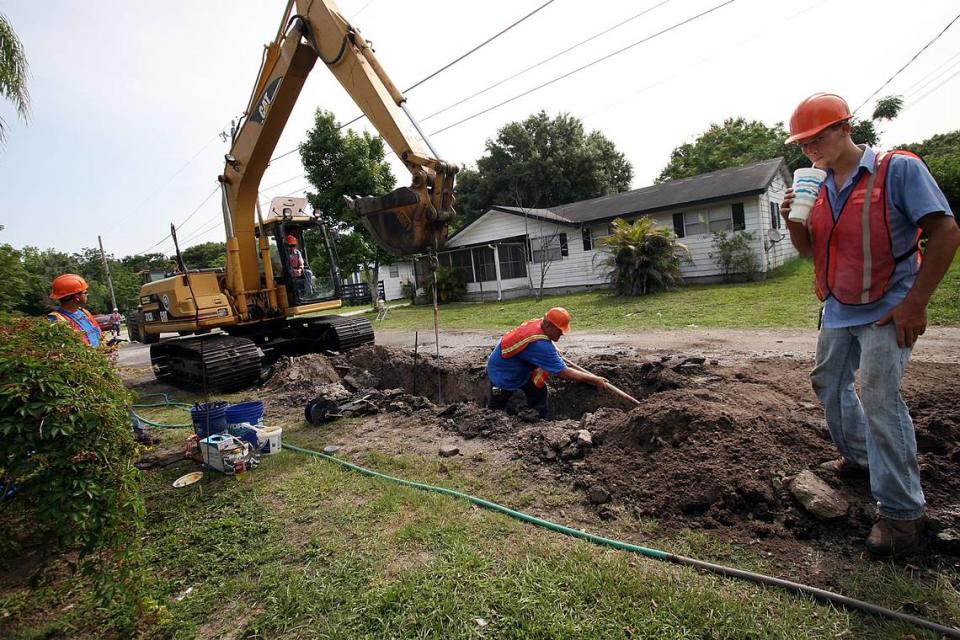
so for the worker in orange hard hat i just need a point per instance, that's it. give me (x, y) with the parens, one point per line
(863, 234)
(70, 293)
(526, 356)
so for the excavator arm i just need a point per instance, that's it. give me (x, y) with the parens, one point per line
(408, 220)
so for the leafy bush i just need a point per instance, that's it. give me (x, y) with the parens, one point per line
(66, 457)
(451, 285)
(642, 258)
(735, 255)
(408, 289)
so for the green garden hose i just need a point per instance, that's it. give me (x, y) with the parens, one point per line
(167, 402)
(819, 594)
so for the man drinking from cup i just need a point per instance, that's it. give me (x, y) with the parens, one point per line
(863, 231)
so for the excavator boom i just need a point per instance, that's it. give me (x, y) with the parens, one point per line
(409, 220)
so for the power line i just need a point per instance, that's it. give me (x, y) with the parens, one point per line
(909, 62)
(711, 56)
(931, 73)
(361, 9)
(586, 66)
(914, 102)
(136, 209)
(478, 47)
(438, 71)
(545, 60)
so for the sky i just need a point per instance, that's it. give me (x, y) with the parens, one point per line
(129, 98)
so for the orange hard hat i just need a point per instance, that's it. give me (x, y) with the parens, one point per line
(67, 284)
(560, 318)
(815, 114)
(291, 239)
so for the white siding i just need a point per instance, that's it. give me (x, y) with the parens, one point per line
(775, 254)
(584, 269)
(392, 285)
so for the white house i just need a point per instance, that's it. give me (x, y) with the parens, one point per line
(505, 251)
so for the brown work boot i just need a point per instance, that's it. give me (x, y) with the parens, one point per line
(894, 538)
(845, 469)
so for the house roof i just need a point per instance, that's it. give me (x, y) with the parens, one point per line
(672, 194)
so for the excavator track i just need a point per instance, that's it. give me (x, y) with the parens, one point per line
(343, 334)
(229, 363)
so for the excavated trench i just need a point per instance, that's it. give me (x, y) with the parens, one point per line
(711, 446)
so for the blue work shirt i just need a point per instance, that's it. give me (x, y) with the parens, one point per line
(912, 193)
(92, 330)
(513, 373)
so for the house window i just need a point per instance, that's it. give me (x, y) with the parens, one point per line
(739, 221)
(704, 222)
(546, 249)
(394, 271)
(587, 243)
(696, 223)
(459, 260)
(775, 220)
(596, 233)
(678, 225)
(513, 261)
(484, 265)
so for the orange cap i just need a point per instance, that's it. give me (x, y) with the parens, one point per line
(815, 114)
(291, 239)
(67, 284)
(560, 318)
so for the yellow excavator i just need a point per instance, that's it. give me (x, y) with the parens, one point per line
(268, 296)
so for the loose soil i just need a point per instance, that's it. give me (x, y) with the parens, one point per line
(712, 446)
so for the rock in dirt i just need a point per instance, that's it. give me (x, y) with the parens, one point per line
(449, 450)
(598, 494)
(331, 449)
(948, 540)
(583, 438)
(818, 497)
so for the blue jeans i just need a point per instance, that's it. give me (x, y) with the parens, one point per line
(873, 430)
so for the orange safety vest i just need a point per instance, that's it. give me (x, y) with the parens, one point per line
(519, 339)
(853, 255)
(62, 317)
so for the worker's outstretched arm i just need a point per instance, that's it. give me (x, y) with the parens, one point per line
(583, 376)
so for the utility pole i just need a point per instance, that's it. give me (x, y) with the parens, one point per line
(106, 266)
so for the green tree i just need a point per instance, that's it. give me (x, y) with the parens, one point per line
(738, 142)
(542, 162)
(339, 163)
(14, 278)
(642, 258)
(205, 255)
(734, 143)
(942, 154)
(13, 73)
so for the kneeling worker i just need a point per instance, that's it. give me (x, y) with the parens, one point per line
(525, 357)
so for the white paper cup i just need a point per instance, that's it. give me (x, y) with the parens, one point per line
(806, 188)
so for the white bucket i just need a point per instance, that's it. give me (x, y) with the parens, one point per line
(269, 439)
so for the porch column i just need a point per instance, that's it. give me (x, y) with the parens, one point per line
(496, 266)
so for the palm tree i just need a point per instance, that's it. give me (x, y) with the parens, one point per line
(13, 73)
(643, 258)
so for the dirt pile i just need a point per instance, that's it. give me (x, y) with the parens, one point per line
(710, 446)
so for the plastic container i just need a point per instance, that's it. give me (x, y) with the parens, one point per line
(251, 412)
(270, 439)
(209, 418)
(246, 432)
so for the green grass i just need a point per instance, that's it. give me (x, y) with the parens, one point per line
(303, 548)
(785, 299)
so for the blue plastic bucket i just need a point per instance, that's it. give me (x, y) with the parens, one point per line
(209, 418)
(250, 412)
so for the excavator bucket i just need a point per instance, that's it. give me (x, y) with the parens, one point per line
(403, 221)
